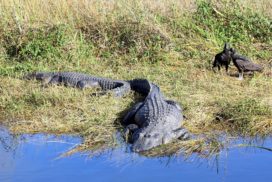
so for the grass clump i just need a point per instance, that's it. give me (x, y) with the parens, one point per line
(124, 36)
(35, 44)
(230, 24)
(244, 116)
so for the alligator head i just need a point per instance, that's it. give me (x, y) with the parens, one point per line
(148, 140)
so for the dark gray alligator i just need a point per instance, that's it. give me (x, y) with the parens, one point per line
(243, 64)
(223, 58)
(155, 121)
(80, 80)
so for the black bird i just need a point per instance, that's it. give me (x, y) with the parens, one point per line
(243, 64)
(223, 58)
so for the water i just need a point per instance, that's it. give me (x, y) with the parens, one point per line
(37, 158)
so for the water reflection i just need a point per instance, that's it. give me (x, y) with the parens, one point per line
(37, 158)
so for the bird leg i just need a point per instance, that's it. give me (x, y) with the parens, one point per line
(227, 69)
(241, 73)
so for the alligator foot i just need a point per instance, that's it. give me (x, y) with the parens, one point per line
(111, 92)
(131, 113)
(131, 128)
(101, 93)
(182, 134)
(87, 84)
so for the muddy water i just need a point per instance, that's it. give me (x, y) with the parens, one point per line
(37, 158)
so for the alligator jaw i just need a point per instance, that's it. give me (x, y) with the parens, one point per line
(145, 142)
(138, 147)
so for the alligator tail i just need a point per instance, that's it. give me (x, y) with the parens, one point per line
(29, 76)
(37, 75)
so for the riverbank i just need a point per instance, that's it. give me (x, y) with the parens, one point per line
(170, 43)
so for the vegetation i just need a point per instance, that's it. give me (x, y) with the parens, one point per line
(170, 43)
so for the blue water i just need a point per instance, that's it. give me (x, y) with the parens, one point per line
(37, 158)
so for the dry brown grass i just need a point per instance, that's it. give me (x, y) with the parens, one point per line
(60, 111)
(35, 13)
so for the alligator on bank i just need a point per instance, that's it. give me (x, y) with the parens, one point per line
(153, 122)
(81, 80)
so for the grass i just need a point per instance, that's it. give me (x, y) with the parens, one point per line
(170, 43)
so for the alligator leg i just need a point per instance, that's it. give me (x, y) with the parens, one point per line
(45, 79)
(131, 113)
(121, 90)
(131, 128)
(49, 80)
(104, 92)
(173, 103)
(180, 133)
(87, 84)
(118, 91)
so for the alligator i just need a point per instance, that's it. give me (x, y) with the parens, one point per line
(243, 64)
(155, 121)
(152, 122)
(81, 80)
(223, 58)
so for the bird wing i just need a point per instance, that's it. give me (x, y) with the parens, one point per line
(248, 65)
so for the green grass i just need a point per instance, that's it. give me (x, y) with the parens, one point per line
(169, 43)
(244, 115)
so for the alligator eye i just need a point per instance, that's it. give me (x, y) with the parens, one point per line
(148, 135)
(141, 135)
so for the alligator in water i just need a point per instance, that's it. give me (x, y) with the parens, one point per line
(223, 58)
(80, 80)
(155, 121)
(243, 64)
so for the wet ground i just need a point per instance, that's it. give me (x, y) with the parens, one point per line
(37, 158)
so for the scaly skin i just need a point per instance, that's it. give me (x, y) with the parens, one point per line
(80, 80)
(154, 121)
